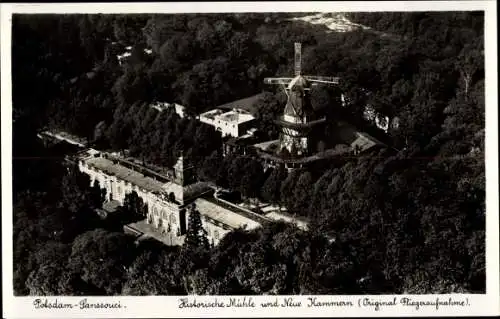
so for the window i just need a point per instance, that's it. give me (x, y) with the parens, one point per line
(216, 234)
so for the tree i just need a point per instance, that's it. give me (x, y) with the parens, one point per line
(71, 284)
(271, 189)
(287, 189)
(211, 164)
(194, 252)
(99, 133)
(196, 235)
(101, 257)
(302, 193)
(323, 99)
(252, 179)
(419, 121)
(134, 204)
(153, 272)
(470, 60)
(171, 197)
(44, 281)
(97, 195)
(268, 107)
(465, 111)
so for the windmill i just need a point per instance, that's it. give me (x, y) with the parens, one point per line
(299, 120)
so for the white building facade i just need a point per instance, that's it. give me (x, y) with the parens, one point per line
(233, 123)
(166, 201)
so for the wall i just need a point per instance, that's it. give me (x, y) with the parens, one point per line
(226, 128)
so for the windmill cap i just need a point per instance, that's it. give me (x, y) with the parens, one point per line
(298, 81)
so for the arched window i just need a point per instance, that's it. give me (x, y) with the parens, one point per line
(216, 234)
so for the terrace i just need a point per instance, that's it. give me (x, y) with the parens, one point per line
(227, 214)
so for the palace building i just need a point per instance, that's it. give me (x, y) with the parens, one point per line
(167, 198)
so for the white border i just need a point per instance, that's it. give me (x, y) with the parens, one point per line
(168, 306)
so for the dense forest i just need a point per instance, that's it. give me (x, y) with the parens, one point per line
(408, 219)
(63, 248)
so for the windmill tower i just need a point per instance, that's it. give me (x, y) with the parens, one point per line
(299, 121)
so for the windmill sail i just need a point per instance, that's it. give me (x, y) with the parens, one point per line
(298, 58)
(322, 79)
(277, 80)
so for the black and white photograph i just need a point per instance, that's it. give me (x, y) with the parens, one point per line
(248, 153)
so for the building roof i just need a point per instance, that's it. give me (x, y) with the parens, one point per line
(186, 193)
(235, 116)
(247, 103)
(223, 215)
(364, 141)
(212, 114)
(113, 168)
(143, 230)
(126, 174)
